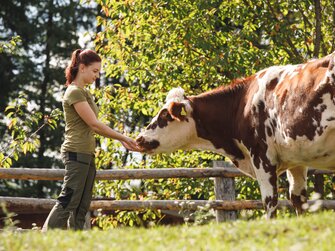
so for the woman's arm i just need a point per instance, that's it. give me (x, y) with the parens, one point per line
(86, 113)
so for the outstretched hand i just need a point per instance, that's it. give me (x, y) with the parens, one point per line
(131, 145)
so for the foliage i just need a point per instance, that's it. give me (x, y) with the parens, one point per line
(7, 220)
(10, 46)
(298, 233)
(23, 126)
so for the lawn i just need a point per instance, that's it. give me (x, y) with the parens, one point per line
(312, 232)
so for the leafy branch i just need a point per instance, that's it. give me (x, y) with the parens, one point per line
(21, 124)
(9, 46)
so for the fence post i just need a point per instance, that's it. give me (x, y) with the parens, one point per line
(319, 185)
(224, 190)
(87, 224)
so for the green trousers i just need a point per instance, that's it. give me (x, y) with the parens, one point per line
(75, 198)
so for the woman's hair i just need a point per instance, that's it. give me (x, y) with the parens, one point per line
(85, 57)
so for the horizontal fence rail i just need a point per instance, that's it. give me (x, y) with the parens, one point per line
(124, 174)
(121, 174)
(44, 205)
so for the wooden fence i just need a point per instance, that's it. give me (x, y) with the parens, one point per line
(225, 203)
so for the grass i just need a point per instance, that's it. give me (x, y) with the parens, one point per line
(313, 232)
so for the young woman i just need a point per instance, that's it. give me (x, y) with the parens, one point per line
(81, 122)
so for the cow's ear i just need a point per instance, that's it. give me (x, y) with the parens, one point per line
(177, 111)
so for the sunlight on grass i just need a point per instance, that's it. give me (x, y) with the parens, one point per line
(313, 232)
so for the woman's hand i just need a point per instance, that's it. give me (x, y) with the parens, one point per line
(130, 144)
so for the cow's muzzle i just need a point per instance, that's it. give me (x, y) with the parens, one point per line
(147, 146)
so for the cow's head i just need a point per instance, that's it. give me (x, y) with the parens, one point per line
(172, 128)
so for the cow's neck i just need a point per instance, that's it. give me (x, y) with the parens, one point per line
(217, 114)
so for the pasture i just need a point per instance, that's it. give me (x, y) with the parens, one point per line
(310, 232)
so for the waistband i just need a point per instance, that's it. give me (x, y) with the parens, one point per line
(75, 156)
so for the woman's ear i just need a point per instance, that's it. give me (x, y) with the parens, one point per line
(81, 67)
(178, 111)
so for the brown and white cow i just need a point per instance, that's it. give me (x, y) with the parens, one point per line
(280, 119)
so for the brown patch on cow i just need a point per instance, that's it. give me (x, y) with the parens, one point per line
(218, 115)
(269, 93)
(257, 141)
(269, 131)
(147, 145)
(163, 119)
(298, 200)
(272, 201)
(273, 83)
(235, 162)
(262, 74)
(152, 126)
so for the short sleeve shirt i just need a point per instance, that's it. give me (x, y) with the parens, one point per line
(79, 137)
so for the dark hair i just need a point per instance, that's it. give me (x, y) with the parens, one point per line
(85, 57)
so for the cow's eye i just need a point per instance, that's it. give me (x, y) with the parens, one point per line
(164, 114)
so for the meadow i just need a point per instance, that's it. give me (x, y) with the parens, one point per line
(310, 232)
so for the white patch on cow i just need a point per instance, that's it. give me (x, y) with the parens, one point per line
(315, 123)
(284, 106)
(319, 152)
(271, 73)
(297, 180)
(246, 165)
(176, 95)
(289, 70)
(328, 112)
(171, 137)
(327, 75)
(324, 80)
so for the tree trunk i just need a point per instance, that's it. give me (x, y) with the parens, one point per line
(318, 32)
(43, 97)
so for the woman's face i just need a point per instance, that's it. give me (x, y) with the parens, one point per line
(91, 72)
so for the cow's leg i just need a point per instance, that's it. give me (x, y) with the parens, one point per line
(268, 185)
(297, 177)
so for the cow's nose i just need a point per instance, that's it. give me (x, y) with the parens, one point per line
(140, 139)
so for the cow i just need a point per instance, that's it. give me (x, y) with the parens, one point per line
(280, 119)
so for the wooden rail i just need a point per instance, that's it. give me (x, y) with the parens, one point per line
(124, 174)
(20, 204)
(224, 175)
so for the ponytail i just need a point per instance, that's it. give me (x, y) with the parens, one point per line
(85, 57)
(72, 69)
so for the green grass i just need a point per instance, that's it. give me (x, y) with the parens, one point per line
(313, 232)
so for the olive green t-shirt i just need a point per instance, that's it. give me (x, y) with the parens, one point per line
(79, 137)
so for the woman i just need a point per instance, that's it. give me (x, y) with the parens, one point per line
(81, 122)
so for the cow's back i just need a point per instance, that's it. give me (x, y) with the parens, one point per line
(293, 108)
